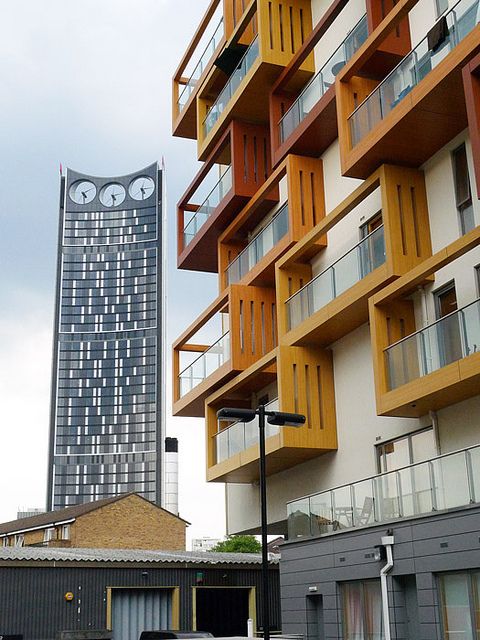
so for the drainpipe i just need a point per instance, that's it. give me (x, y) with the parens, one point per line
(387, 542)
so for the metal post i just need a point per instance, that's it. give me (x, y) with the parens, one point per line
(263, 509)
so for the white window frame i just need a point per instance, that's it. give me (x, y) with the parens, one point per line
(49, 534)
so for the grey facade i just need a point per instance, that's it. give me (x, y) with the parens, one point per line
(36, 580)
(313, 572)
(106, 431)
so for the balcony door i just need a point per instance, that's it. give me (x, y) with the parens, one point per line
(448, 329)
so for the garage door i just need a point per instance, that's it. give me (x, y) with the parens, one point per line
(137, 610)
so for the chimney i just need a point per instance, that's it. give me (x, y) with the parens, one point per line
(171, 475)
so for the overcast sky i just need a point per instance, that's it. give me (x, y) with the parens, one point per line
(87, 84)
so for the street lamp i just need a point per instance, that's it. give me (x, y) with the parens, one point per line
(280, 419)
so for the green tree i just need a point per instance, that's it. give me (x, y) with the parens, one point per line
(239, 544)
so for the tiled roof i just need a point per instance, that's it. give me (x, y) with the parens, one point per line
(69, 513)
(126, 555)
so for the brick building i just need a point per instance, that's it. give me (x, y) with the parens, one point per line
(123, 522)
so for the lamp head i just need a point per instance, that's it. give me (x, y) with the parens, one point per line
(282, 419)
(245, 415)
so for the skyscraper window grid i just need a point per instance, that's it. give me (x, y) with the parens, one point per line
(105, 426)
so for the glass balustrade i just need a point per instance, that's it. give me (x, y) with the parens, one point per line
(229, 89)
(200, 66)
(323, 80)
(446, 482)
(451, 338)
(239, 436)
(460, 21)
(207, 207)
(268, 237)
(206, 364)
(366, 256)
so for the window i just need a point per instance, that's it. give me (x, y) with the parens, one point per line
(442, 6)
(48, 534)
(448, 330)
(406, 450)
(372, 250)
(362, 610)
(19, 540)
(5, 542)
(66, 532)
(463, 193)
(459, 599)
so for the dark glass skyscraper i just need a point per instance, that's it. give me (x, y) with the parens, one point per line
(106, 428)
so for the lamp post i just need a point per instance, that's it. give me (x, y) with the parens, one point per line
(280, 419)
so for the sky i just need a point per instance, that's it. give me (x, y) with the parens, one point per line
(86, 84)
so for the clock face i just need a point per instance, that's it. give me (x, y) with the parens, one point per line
(82, 191)
(141, 188)
(112, 194)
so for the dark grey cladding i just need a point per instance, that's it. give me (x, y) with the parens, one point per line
(105, 434)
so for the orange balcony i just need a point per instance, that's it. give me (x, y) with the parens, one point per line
(303, 117)
(424, 369)
(253, 57)
(471, 83)
(249, 247)
(248, 332)
(240, 167)
(300, 380)
(423, 93)
(198, 60)
(322, 300)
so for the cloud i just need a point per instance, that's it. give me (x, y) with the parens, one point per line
(88, 84)
(25, 348)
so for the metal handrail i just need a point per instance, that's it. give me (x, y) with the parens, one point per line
(402, 61)
(384, 473)
(207, 198)
(259, 234)
(187, 84)
(305, 286)
(229, 81)
(203, 354)
(429, 326)
(322, 69)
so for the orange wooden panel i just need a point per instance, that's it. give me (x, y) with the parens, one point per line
(388, 324)
(306, 194)
(405, 217)
(283, 27)
(252, 317)
(398, 41)
(306, 386)
(250, 157)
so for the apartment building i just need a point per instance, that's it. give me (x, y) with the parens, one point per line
(338, 201)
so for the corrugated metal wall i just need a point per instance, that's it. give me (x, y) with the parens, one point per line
(137, 610)
(32, 596)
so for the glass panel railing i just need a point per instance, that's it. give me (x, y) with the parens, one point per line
(217, 108)
(239, 436)
(366, 256)
(460, 21)
(268, 237)
(323, 80)
(445, 482)
(208, 206)
(200, 66)
(449, 339)
(203, 366)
